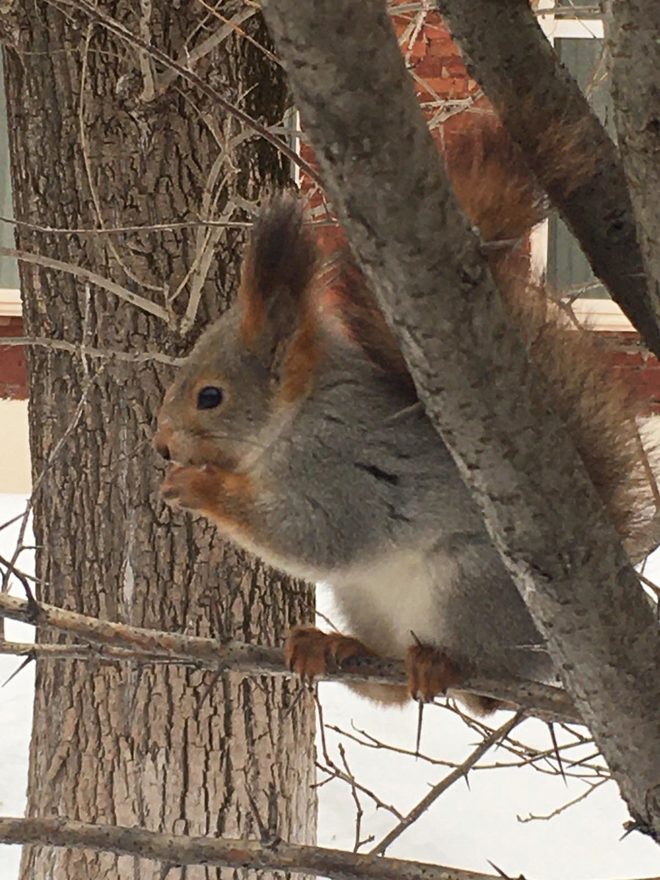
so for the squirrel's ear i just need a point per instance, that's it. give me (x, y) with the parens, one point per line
(277, 276)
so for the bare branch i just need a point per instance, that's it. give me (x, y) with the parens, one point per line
(543, 700)
(138, 357)
(87, 275)
(151, 227)
(239, 854)
(120, 230)
(459, 773)
(235, 25)
(347, 776)
(208, 45)
(536, 817)
(113, 26)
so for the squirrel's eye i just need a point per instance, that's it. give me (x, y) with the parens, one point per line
(209, 397)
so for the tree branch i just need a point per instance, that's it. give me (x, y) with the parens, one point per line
(128, 296)
(457, 773)
(634, 43)
(383, 174)
(567, 147)
(225, 852)
(151, 646)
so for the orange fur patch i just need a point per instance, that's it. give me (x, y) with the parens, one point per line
(301, 360)
(223, 496)
(253, 307)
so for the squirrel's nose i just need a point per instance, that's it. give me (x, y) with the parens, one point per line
(162, 438)
(162, 449)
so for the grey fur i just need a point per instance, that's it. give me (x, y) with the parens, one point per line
(356, 489)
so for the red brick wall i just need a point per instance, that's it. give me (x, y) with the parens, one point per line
(13, 376)
(637, 368)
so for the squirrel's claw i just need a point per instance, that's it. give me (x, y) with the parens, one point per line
(311, 652)
(430, 672)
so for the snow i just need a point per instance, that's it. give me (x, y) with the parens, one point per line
(15, 698)
(468, 827)
(471, 827)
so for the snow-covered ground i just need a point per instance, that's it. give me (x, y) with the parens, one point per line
(466, 827)
(15, 700)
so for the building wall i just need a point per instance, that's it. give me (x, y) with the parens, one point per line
(14, 447)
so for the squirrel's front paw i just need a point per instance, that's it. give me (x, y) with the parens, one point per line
(311, 652)
(189, 487)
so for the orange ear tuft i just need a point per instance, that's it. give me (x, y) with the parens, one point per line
(355, 305)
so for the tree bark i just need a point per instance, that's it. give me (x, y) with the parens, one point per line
(165, 748)
(242, 855)
(566, 145)
(382, 172)
(634, 44)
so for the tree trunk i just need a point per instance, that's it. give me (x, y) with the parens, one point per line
(168, 749)
(634, 43)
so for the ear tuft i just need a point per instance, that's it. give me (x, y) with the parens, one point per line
(278, 273)
(359, 312)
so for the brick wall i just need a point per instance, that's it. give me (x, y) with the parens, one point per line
(637, 368)
(13, 375)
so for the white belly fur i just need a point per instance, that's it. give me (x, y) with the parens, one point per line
(387, 601)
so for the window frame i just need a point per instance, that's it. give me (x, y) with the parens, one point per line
(600, 313)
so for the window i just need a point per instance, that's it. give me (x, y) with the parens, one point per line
(10, 303)
(575, 28)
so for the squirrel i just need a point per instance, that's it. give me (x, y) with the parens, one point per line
(294, 425)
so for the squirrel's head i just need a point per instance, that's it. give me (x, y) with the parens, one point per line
(260, 356)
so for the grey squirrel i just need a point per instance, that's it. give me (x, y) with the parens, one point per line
(294, 425)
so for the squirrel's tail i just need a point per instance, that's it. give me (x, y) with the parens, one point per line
(498, 193)
(492, 181)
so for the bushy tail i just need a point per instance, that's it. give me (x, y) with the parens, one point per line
(498, 193)
(492, 181)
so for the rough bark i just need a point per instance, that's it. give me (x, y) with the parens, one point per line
(239, 854)
(383, 175)
(634, 44)
(165, 748)
(568, 148)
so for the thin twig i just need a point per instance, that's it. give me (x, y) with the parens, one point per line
(348, 777)
(79, 272)
(148, 227)
(192, 56)
(119, 30)
(538, 817)
(138, 357)
(459, 773)
(234, 23)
